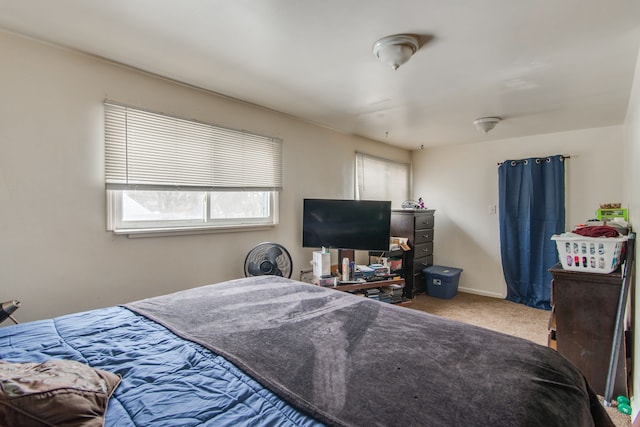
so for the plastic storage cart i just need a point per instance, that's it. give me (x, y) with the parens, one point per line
(441, 281)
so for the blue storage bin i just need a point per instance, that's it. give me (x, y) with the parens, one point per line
(441, 281)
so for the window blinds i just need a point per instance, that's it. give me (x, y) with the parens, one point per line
(381, 179)
(145, 150)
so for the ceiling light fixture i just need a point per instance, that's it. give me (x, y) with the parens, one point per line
(486, 123)
(396, 50)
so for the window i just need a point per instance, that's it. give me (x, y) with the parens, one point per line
(382, 179)
(166, 174)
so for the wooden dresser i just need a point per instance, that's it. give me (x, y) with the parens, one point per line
(584, 307)
(417, 226)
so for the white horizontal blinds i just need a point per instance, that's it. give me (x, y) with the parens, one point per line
(115, 145)
(252, 160)
(381, 179)
(150, 150)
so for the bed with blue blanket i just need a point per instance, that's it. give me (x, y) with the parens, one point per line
(277, 352)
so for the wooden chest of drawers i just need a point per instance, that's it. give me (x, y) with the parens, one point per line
(417, 226)
(584, 317)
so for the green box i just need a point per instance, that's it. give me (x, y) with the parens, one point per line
(605, 214)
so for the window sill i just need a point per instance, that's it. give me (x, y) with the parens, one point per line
(185, 231)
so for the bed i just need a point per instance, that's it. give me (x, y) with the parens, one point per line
(277, 352)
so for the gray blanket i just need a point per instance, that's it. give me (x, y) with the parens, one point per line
(350, 361)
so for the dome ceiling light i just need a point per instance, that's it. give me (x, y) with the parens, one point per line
(486, 123)
(396, 50)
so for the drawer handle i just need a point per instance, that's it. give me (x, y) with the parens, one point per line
(424, 250)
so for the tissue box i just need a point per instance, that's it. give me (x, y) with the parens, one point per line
(321, 263)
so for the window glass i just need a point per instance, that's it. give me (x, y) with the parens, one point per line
(236, 204)
(162, 205)
(155, 211)
(166, 173)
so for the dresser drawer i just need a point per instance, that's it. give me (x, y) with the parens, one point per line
(423, 221)
(422, 236)
(423, 249)
(421, 263)
(416, 225)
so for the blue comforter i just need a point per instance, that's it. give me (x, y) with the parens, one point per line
(167, 381)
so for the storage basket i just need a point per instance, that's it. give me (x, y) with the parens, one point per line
(608, 214)
(589, 254)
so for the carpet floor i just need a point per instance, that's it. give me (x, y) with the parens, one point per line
(498, 315)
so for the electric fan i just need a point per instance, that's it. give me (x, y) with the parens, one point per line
(268, 259)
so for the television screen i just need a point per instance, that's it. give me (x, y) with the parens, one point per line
(346, 224)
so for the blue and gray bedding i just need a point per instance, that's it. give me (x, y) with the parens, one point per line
(272, 351)
(166, 380)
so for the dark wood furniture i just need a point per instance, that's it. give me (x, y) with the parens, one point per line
(372, 285)
(583, 323)
(417, 226)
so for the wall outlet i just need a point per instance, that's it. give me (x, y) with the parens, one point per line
(492, 209)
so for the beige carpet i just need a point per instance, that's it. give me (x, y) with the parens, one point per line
(498, 315)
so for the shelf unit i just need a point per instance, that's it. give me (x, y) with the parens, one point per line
(417, 226)
(350, 287)
(396, 253)
(369, 285)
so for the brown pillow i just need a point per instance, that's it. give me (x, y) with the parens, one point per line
(54, 393)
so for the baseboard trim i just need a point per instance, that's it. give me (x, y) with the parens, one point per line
(480, 292)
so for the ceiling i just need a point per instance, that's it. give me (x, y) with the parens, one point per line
(542, 65)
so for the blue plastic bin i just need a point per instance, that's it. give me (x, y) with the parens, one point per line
(441, 281)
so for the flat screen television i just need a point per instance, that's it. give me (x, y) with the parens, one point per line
(346, 224)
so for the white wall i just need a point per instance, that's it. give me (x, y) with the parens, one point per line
(56, 256)
(632, 201)
(461, 183)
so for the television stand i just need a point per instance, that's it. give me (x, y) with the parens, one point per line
(350, 287)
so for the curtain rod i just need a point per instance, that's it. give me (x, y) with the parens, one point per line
(563, 158)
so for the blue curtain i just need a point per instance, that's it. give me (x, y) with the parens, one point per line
(531, 201)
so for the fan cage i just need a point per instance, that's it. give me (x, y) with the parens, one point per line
(268, 259)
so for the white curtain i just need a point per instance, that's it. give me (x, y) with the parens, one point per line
(382, 179)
